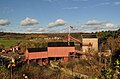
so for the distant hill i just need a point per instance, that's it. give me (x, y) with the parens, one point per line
(6, 35)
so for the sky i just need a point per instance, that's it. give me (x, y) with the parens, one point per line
(55, 16)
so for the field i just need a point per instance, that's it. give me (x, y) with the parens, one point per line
(9, 43)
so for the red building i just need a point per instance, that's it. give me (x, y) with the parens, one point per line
(54, 51)
(61, 50)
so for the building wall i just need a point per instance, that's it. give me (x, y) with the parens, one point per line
(26, 54)
(36, 55)
(93, 41)
(52, 52)
(85, 48)
(60, 51)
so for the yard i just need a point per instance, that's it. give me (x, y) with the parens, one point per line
(9, 43)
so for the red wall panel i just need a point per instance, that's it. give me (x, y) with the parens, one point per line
(60, 51)
(52, 52)
(37, 55)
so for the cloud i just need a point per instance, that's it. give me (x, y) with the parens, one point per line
(28, 21)
(40, 29)
(94, 26)
(95, 22)
(69, 8)
(109, 25)
(84, 26)
(102, 4)
(29, 29)
(58, 22)
(51, 24)
(32, 29)
(106, 3)
(4, 22)
(116, 3)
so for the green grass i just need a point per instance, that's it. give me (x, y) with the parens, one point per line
(9, 43)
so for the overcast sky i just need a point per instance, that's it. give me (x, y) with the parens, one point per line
(38, 16)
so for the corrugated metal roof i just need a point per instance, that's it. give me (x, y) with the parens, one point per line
(37, 49)
(60, 44)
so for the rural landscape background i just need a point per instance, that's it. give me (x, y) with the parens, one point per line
(90, 67)
(35, 25)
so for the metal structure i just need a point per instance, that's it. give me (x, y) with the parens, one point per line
(56, 51)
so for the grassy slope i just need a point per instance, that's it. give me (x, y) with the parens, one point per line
(9, 43)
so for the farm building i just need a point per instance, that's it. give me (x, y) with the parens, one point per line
(54, 51)
(90, 43)
(61, 50)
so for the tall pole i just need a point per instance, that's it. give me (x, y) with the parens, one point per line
(69, 35)
(69, 30)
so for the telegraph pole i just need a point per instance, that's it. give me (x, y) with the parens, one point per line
(69, 35)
